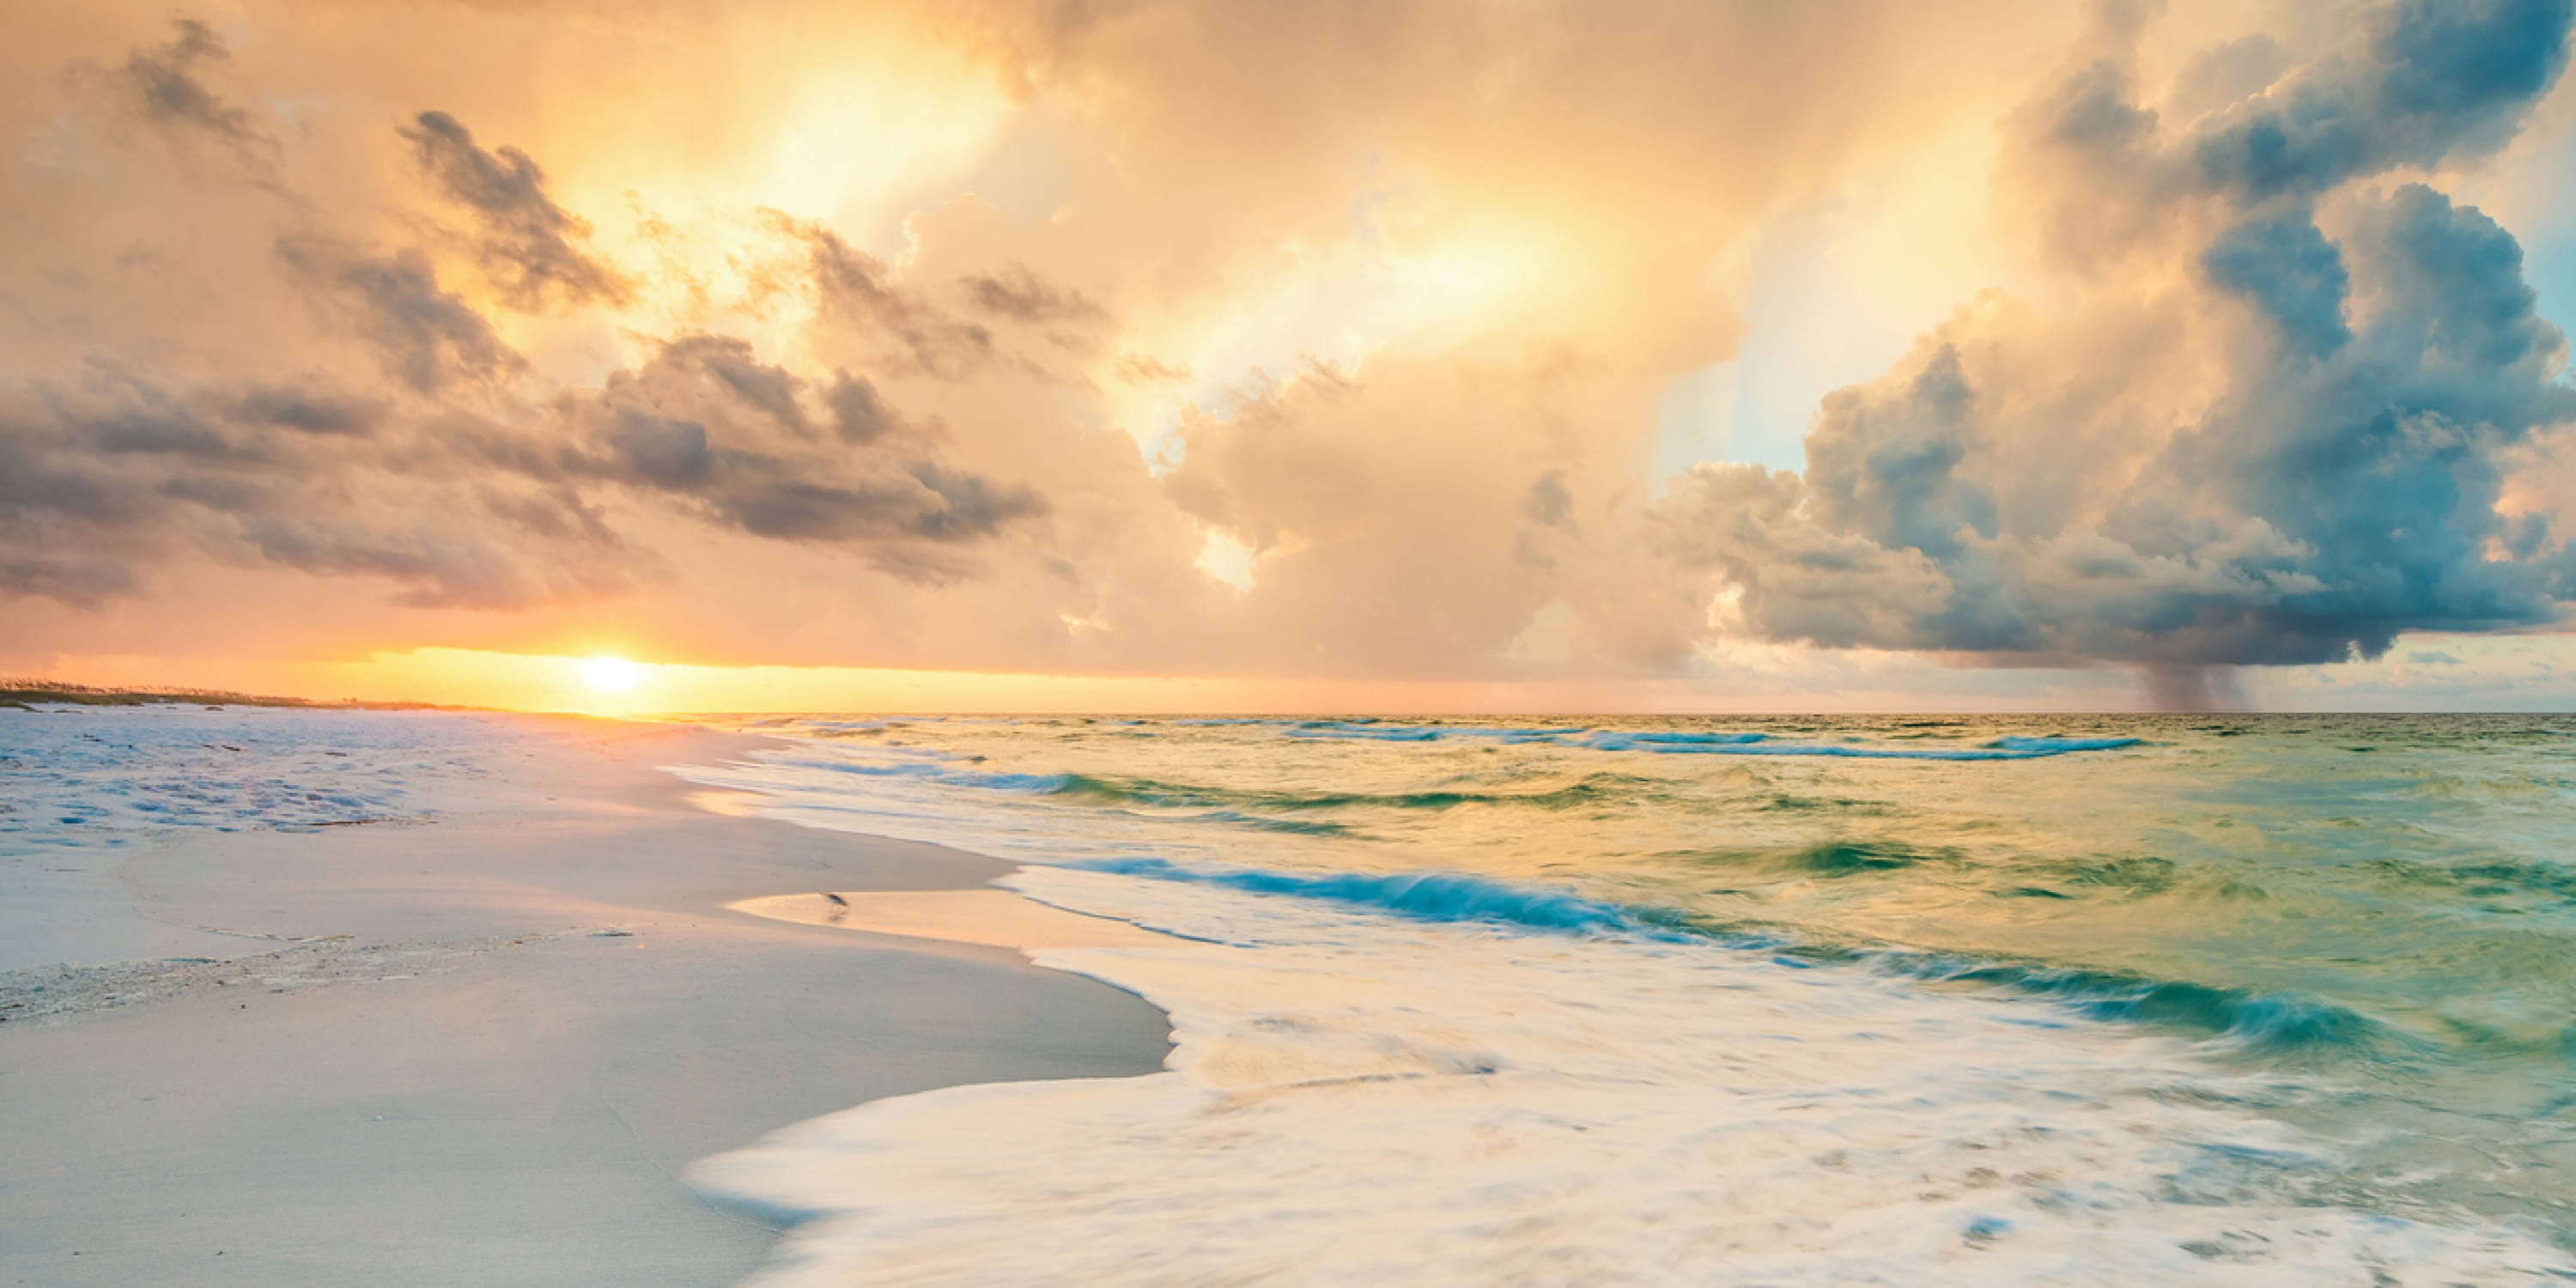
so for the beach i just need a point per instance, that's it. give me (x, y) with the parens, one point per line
(787, 1001)
(1198, 645)
(482, 1045)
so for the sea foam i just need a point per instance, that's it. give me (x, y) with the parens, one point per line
(2098, 1000)
(1357, 1096)
(92, 775)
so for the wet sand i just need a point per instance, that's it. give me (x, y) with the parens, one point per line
(996, 917)
(485, 1049)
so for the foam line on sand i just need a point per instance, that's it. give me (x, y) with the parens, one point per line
(995, 917)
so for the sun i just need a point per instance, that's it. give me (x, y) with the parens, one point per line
(611, 674)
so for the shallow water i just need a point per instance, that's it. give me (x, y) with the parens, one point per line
(2175, 999)
(82, 776)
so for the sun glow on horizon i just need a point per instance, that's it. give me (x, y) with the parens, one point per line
(564, 683)
(611, 674)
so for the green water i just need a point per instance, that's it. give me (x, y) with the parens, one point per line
(2373, 917)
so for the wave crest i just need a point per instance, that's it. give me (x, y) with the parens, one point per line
(1428, 896)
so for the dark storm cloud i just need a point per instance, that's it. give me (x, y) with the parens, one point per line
(528, 244)
(2430, 77)
(2289, 270)
(2378, 465)
(2173, 686)
(2020, 486)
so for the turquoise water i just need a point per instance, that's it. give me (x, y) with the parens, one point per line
(2373, 918)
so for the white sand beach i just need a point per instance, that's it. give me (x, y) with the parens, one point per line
(480, 1049)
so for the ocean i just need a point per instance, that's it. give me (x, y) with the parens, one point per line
(2274, 1000)
(2094, 999)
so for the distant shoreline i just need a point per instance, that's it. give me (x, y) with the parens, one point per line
(20, 691)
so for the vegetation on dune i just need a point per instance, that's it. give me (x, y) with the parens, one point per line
(19, 692)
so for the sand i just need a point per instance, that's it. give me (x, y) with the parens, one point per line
(481, 1050)
(996, 917)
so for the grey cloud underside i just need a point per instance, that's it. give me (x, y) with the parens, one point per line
(1066, 318)
(706, 422)
(464, 510)
(527, 245)
(445, 471)
(313, 411)
(1021, 295)
(2428, 78)
(111, 474)
(856, 290)
(2276, 430)
(423, 335)
(2021, 486)
(166, 87)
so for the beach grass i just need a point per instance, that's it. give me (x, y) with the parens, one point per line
(23, 691)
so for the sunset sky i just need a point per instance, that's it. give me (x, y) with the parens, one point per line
(1405, 355)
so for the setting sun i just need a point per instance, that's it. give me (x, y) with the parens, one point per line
(610, 674)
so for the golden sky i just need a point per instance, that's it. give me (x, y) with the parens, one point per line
(1407, 355)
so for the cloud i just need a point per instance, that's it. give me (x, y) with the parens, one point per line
(859, 413)
(313, 411)
(2288, 269)
(707, 426)
(118, 469)
(528, 243)
(1022, 296)
(2292, 456)
(854, 290)
(116, 472)
(427, 337)
(165, 86)
(82, 583)
(2426, 79)
(437, 565)
(1146, 369)
(2177, 687)
(958, 335)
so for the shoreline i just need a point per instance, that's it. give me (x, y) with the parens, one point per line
(484, 1048)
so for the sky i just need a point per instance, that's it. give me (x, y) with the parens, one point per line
(1411, 355)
